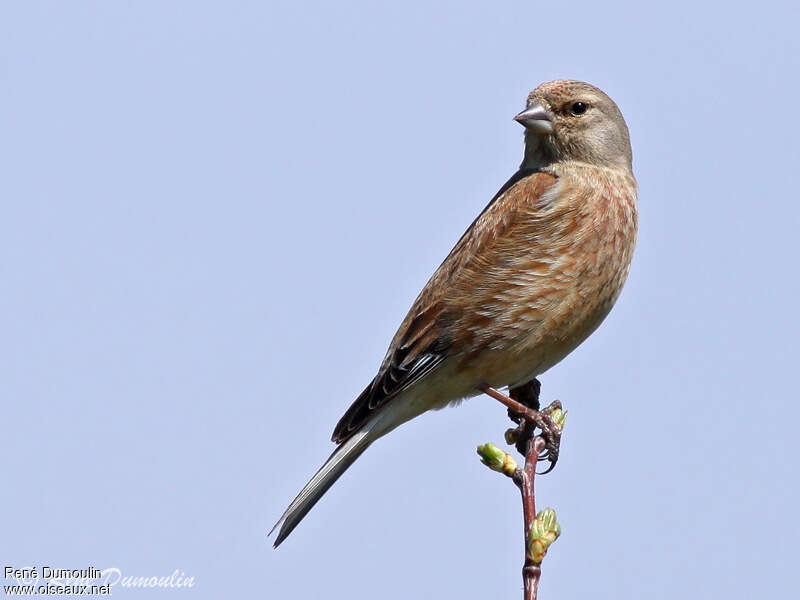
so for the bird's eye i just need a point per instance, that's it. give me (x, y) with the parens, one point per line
(578, 108)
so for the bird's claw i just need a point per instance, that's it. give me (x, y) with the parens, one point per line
(534, 418)
(524, 433)
(550, 433)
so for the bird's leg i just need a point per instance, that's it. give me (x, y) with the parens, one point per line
(527, 394)
(523, 409)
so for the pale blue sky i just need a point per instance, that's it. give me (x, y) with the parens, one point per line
(215, 215)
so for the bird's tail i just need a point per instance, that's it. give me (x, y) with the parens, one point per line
(344, 456)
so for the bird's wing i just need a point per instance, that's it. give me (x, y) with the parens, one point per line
(426, 336)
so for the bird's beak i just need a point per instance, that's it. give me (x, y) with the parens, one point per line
(536, 118)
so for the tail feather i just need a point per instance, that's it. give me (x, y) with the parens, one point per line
(337, 463)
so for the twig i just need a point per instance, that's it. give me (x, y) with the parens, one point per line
(540, 530)
(524, 478)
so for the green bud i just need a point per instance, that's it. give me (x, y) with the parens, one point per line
(497, 459)
(559, 417)
(544, 531)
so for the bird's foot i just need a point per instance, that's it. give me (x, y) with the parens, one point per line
(523, 409)
(524, 433)
(550, 433)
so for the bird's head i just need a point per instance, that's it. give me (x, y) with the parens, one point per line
(572, 120)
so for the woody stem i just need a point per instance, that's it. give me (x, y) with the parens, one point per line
(524, 477)
(514, 405)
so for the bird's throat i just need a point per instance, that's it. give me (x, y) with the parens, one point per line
(539, 152)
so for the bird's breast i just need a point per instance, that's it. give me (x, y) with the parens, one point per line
(593, 247)
(560, 285)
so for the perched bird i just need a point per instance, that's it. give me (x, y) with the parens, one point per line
(531, 278)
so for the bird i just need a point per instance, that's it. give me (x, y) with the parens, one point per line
(532, 277)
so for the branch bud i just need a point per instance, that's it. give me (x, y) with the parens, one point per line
(544, 531)
(559, 417)
(511, 436)
(497, 459)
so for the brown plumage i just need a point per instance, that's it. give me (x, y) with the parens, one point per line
(531, 278)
